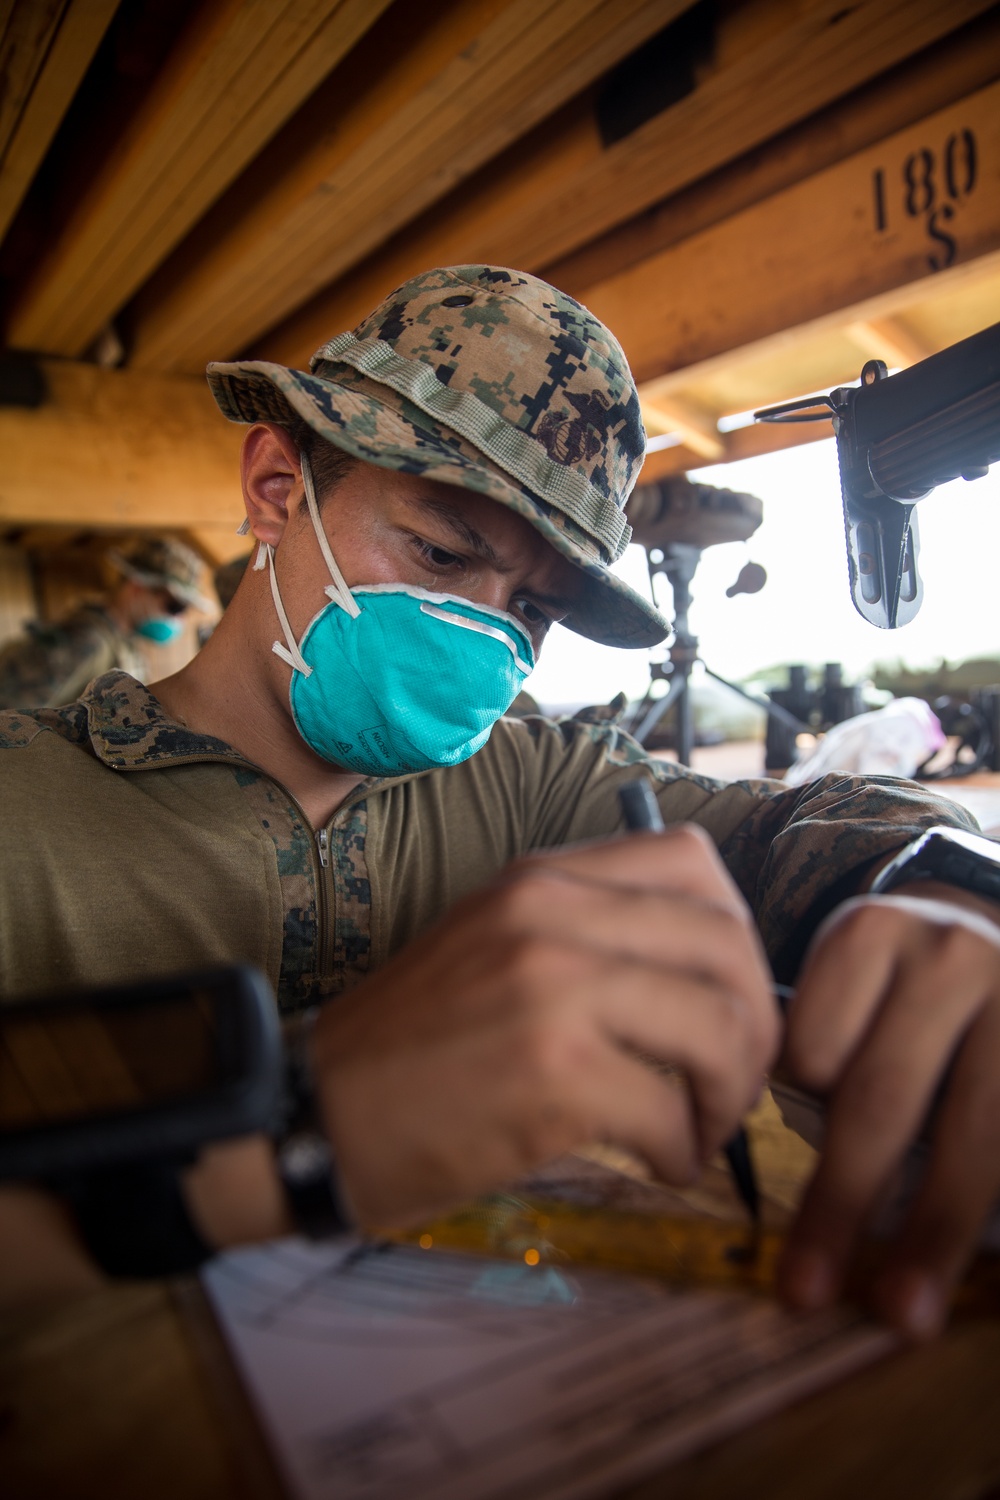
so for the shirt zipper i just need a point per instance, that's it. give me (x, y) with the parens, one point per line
(324, 940)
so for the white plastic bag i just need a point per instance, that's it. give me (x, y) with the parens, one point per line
(891, 741)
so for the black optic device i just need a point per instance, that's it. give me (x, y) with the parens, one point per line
(899, 437)
(144, 1072)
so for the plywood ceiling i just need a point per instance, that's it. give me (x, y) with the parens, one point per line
(757, 194)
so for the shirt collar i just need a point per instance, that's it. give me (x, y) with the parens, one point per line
(129, 730)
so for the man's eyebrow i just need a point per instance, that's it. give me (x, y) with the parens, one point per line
(456, 523)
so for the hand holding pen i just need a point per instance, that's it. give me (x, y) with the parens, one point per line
(641, 813)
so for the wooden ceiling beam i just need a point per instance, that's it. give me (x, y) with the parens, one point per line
(955, 67)
(111, 448)
(560, 188)
(45, 49)
(745, 442)
(888, 339)
(237, 75)
(698, 428)
(916, 207)
(478, 76)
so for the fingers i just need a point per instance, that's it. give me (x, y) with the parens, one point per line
(875, 1112)
(676, 932)
(516, 1029)
(960, 1188)
(899, 990)
(847, 972)
(415, 1131)
(702, 1029)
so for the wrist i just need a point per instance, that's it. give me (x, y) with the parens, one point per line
(234, 1194)
(951, 895)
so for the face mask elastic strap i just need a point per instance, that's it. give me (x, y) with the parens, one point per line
(339, 593)
(481, 628)
(290, 651)
(281, 650)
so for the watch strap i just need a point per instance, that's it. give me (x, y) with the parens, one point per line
(303, 1154)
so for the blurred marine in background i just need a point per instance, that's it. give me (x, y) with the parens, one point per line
(52, 662)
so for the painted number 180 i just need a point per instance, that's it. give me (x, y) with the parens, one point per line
(931, 186)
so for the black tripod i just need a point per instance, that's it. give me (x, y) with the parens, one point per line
(678, 562)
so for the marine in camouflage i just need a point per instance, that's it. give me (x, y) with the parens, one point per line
(495, 381)
(52, 663)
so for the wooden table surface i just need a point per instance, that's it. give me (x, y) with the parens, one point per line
(128, 1394)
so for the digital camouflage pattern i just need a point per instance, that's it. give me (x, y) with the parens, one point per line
(495, 381)
(52, 664)
(162, 562)
(397, 854)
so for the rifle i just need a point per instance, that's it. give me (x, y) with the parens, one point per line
(899, 437)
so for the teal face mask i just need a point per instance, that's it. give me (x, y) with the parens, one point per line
(160, 628)
(389, 678)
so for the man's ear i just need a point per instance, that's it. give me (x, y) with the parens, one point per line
(271, 473)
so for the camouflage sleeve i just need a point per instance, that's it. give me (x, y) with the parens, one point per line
(801, 851)
(794, 852)
(51, 665)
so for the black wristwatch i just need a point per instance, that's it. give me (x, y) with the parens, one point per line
(303, 1154)
(969, 861)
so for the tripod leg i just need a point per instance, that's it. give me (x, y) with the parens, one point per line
(685, 724)
(657, 711)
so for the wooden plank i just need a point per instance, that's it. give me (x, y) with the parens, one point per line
(952, 69)
(68, 1435)
(920, 204)
(33, 103)
(478, 77)
(745, 442)
(694, 424)
(939, 311)
(237, 76)
(116, 449)
(557, 190)
(26, 31)
(888, 339)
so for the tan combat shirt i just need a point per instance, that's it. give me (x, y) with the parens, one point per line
(131, 847)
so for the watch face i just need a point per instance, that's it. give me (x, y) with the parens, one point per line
(305, 1157)
(969, 861)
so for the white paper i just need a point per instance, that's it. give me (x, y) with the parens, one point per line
(388, 1371)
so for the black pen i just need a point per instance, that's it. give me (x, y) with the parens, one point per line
(641, 812)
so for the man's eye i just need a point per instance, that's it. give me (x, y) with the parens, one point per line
(437, 557)
(532, 614)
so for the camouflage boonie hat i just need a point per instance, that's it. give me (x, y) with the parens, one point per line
(160, 562)
(493, 380)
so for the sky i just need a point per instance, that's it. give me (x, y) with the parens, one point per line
(804, 612)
